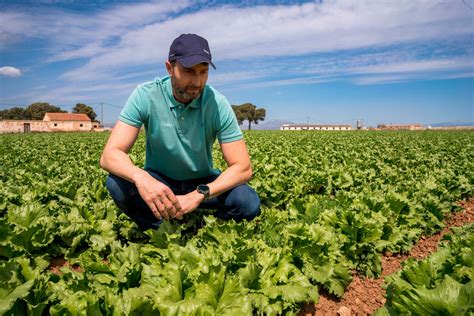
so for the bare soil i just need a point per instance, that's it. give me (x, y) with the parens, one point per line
(57, 263)
(363, 295)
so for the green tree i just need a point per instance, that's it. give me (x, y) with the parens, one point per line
(37, 110)
(15, 113)
(249, 112)
(84, 109)
(239, 114)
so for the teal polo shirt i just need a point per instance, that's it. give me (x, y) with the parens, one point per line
(179, 138)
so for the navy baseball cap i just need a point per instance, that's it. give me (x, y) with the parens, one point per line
(190, 50)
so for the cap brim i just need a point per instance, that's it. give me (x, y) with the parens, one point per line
(190, 61)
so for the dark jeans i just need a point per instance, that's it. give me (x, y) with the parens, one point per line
(241, 202)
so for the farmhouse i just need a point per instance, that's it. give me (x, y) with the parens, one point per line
(397, 127)
(52, 122)
(308, 127)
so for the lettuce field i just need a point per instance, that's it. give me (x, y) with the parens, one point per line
(332, 203)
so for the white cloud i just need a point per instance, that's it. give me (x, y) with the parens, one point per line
(260, 45)
(388, 78)
(290, 30)
(75, 35)
(15, 26)
(220, 78)
(402, 61)
(418, 66)
(10, 71)
(88, 50)
(83, 93)
(264, 83)
(129, 35)
(363, 69)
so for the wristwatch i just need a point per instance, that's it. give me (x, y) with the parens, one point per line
(203, 189)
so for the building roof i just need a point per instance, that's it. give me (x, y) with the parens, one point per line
(66, 117)
(312, 125)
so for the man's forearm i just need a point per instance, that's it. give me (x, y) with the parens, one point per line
(115, 157)
(119, 163)
(230, 178)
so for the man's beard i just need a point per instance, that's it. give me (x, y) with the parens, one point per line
(181, 94)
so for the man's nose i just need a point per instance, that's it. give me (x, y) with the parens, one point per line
(192, 80)
(197, 80)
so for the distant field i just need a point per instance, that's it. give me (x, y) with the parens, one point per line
(332, 202)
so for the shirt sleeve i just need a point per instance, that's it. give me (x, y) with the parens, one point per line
(134, 111)
(228, 129)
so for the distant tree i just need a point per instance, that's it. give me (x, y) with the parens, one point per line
(239, 114)
(37, 110)
(249, 112)
(84, 109)
(15, 113)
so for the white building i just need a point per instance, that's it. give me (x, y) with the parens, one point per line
(309, 127)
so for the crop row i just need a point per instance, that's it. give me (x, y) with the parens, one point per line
(330, 203)
(440, 284)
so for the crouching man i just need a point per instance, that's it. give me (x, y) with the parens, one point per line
(182, 116)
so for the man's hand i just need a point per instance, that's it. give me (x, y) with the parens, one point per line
(189, 202)
(159, 197)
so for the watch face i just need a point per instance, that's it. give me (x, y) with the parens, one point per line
(204, 189)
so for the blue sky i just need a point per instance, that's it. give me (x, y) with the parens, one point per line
(336, 61)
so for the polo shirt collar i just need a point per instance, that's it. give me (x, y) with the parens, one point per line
(166, 81)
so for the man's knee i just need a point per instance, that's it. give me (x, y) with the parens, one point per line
(246, 201)
(119, 189)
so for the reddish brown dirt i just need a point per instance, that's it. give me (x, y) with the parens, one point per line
(364, 296)
(57, 263)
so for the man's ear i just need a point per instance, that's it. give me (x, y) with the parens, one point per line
(169, 67)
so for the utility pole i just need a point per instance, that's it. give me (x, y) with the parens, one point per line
(307, 121)
(102, 113)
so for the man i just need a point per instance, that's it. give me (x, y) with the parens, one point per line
(182, 117)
